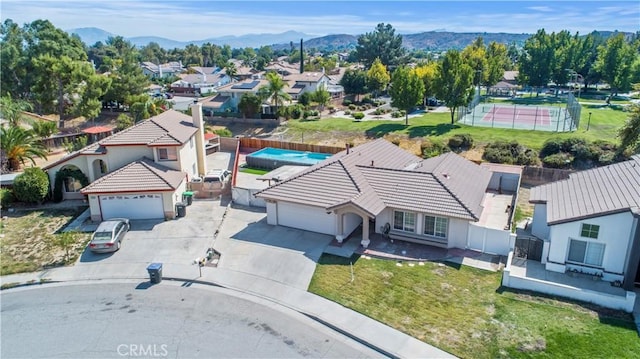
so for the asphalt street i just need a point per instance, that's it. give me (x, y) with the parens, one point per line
(170, 319)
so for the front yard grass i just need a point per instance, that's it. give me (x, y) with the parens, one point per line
(29, 236)
(466, 312)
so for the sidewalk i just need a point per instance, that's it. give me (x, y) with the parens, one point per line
(372, 333)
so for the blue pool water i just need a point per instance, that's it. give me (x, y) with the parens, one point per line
(271, 158)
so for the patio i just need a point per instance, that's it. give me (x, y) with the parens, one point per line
(532, 275)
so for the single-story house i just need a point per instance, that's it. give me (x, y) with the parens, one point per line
(590, 222)
(168, 69)
(443, 201)
(138, 173)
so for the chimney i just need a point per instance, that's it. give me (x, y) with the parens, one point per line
(198, 121)
(301, 58)
(371, 163)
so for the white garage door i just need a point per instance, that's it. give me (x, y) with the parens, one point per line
(314, 219)
(143, 206)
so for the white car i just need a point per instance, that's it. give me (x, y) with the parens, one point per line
(216, 178)
(109, 234)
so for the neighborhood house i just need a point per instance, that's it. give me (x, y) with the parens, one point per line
(138, 173)
(445, 201)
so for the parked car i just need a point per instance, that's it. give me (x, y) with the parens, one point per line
(217, 178)
(109, 234)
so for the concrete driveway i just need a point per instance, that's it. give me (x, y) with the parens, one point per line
(248, 244)
(178, 241)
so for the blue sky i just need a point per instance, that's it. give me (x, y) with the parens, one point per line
(195, 20)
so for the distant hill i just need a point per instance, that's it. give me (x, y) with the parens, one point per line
(443, 40)
(91, 35)
(431, 40)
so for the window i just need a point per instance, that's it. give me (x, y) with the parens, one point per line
(590, 253)
(435, 226)
(167, 154)
(72, 185)
(590, 230)
(404, 221)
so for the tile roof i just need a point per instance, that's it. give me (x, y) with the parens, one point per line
(166, 129)
(92, 149)
(143, 175)
(591, 193)
(379, 174)
(305, 77)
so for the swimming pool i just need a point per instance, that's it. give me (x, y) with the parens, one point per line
(272, 158)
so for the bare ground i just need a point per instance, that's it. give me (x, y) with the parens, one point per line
(27, 239)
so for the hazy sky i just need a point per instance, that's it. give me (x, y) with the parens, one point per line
(195, 20)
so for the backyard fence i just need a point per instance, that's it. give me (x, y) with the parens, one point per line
(533, 176)
(258, 143)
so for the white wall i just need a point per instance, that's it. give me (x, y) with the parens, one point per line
(539, 226)
(490, 240)
(458, 232)
(246, 197)
(119, 156)
(504, 181)
(272, 213)
(351, 221)
(79, 161)
(615, 232)
(607, 300)
(170, 199)
(187, 158)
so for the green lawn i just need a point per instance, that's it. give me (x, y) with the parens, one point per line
(253, 171)
(604, 125)
(465, 311)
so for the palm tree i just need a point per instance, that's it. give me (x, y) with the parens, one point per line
(11, 110)
(231, 70)
(275, 88)
(19, 145)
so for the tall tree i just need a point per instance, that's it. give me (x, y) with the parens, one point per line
(454, 83)
(427, 73)
(231, 70)
(125, 73)
(275, 89)
(377, 77)
(536, 61)
(20, 145)
(322, 97)
(497, 63)
(615, 61)
(630, 133)
(407, 90)
(382, 43)
(354, 82)
(13, 62)
(475, 55)
(249, 105)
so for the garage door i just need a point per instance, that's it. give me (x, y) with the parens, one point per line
(314, 219)
(141, 206)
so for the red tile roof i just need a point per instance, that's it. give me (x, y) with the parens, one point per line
(97, 129)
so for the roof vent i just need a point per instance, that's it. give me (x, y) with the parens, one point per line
(371, 163)
(446, 175)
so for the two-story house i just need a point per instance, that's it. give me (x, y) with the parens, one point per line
(138, 173)
(590, 222)
(306, 82)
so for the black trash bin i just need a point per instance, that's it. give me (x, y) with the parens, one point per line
(181, 208)
(155, 272)
(187, 197)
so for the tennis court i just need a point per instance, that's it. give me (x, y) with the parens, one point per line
(540, 118)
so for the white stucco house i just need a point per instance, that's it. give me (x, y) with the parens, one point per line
(590, 223)
(445, 201)
(138, 173)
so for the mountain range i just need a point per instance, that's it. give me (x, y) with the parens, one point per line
(431, 40)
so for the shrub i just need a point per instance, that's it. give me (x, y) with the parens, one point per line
(71, 146)
(431, 147)
(352, 107)
(551, 146)
(32, 185)
(460, 141)
(123, 121)
(296, 112)
(223, 132)
(558, 160)
(64, 174)
(347, 112)
(358, 115)
(346, 102)
(6, 196)
(510, 153)
(396, 114)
